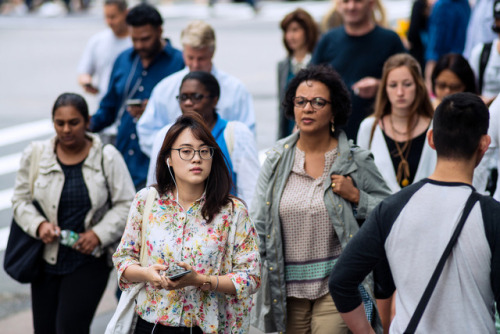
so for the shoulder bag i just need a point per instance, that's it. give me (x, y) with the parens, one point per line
(125, 318)
(24, 254)
(419, 311)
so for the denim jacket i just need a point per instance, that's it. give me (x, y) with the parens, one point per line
(49, 184)
(269, 311)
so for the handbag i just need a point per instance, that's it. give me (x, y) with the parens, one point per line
(419, 311)
(24, 254)
(124, 319)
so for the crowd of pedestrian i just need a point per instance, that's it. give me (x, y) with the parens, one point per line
(375, 211)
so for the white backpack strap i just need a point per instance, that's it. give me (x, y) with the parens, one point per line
(229, 137)
(145, 221)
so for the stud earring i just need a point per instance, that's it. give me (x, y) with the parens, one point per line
(333, 128)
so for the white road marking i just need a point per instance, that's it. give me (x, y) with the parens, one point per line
(5, 196)
(9, 163)
(4, 236)
(26, 131)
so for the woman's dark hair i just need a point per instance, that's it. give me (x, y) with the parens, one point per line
(144, 14)
(305, 20)
(219, 182)
(339, 96)
(460, 67)
(206, 79)
(74, 100)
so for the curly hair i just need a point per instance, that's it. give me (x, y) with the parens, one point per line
(339, 96)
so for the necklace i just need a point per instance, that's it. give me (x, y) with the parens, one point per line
(407, 132)
(403, 170)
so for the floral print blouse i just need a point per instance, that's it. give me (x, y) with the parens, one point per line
(226, 246)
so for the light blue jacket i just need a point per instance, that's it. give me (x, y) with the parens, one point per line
(269, 311)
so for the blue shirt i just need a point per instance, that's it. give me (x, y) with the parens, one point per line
(123, 75)
(447, 28)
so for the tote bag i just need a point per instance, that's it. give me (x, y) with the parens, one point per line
(124, 319)
(24, 254)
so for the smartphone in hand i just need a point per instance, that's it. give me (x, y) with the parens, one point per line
(177, 275)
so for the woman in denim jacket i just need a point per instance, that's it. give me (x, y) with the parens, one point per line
(313, 188)
(72, 190)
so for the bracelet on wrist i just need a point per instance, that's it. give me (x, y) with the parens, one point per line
(216, 285)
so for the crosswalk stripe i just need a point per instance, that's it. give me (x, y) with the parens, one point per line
(26, 131)
(9, 163)
(5, 196)
(4, 235)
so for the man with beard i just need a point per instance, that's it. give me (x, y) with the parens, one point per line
(135, 72)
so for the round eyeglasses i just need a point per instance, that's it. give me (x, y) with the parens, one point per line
(194, 97)
(187, 153)
(317, 103)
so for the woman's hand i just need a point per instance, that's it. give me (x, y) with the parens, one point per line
(48, 232)
(191, 279)
(153, 275)
(344, 187)
(87, 242)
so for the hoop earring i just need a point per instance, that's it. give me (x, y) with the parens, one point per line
(332, 128)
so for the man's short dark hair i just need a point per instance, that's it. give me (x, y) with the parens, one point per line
(142, 15)
(120, 4)
(459, 123)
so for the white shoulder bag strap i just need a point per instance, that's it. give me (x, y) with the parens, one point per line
(124, 319)
(145, 221)
(36, 153)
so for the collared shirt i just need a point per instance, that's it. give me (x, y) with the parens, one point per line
(235, 104)
(226, 246)
(243, 157)
(168, 61)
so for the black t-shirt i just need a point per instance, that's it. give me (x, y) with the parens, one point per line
(356, 57)
(74, 205)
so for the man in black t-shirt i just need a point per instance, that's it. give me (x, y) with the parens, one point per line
(357, 51)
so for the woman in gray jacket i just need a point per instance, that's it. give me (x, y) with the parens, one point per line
(74, 179)
(313, 188)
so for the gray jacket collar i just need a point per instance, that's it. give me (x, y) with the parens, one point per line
(343, 165)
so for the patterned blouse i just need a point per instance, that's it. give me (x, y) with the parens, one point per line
(226, 246)
(310, 243)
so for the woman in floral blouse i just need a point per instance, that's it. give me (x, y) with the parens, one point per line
(195, 224)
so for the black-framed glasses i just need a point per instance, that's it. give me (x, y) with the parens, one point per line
(194, 97)
(317, 103)
(187, 153)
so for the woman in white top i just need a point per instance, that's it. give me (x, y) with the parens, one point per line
(396, 132)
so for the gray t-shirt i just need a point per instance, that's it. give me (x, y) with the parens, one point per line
(403, 240)
(99, 57)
